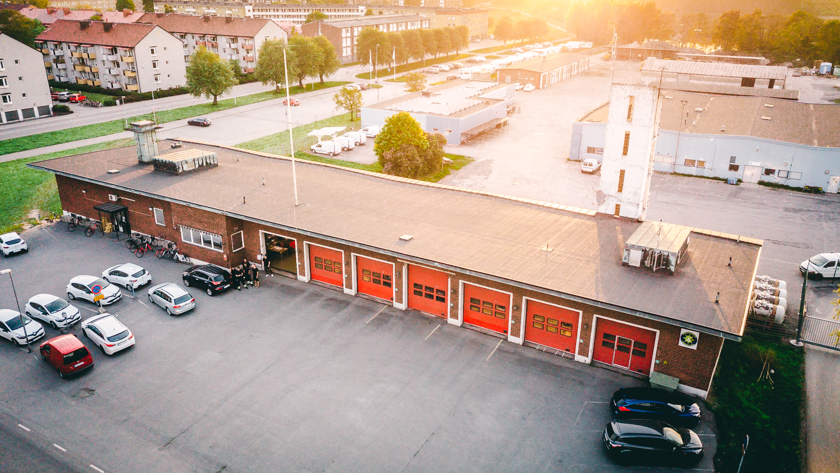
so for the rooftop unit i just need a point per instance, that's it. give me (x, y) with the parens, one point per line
(657, 246)
(185, 160)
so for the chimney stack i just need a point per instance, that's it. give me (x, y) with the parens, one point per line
(127, 12)
(66, 11)
(206, 18)
(228, 19)
(145, 136)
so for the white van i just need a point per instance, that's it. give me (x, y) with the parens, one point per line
(357, 137)
(345, 143)
(326, 147)
(590, 165)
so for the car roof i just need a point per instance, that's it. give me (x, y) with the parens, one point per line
(84, 279)
(107, 323)
(172, 289)
(213, 269)
(8, 314)
(652, 394)
(638, 427)
(65, 343)
(128, 267)
(43, 299)
(9, 236)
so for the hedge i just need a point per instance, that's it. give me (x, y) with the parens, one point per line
(134, 96)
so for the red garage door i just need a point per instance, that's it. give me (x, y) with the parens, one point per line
(325, 265)
(486, 308)
(551, 326)
(427, 290)
(375, 278)
(624, 345)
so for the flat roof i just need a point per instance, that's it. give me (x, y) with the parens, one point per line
(717, 69)
(453, 99)
(719, 89)
(547, 63)
(371, 20)
(562, 251)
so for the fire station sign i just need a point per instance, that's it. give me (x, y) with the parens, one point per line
(689, 338)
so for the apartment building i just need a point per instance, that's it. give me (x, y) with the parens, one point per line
(441, 16)
(220, 8)
(98, 5)
(128, 56)
(49, 15)
(24, 91)
(295, 13)
(230, 38)
(343, 34)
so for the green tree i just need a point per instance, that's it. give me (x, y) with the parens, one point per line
(368, 12)
(442, 45)
(398, 47)
(463, 33)
(348, 99)
(505, 30)
(433, 155)
(270, 65)
(415, 81)
(315, 16)
(828, 40)
(726, 31)
(403, 161)
(694, 30)
(751, 32)
(414, 43)
(39, 3)
(306, 58)
(798, 37)
(454, 38)
(329, 63)
(20, 27)
(399, 129)
(208, 75)
(367, 51)
(168, 9)
(642, 21)
(149, 6)
(429, 41)
(125, 5)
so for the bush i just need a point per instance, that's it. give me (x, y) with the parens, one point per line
(61, 109)
(109, 102)
(129, 96)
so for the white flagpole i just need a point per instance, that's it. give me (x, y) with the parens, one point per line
(289, 122)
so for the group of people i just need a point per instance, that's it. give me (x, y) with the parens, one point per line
(246, 274)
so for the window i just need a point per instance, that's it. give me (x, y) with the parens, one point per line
(159, 217)
(734, 167)
(488, 308)
(237, 241)
(155, 64)
(593, 150)
(732, 160)
(689, 162)
(4, 82)
(784, 174)
(153, 50)
(795, 176)
(157, 78)
(374, 277)
(428, 292)
(630, 109)
(201, 238)
(769, 172)
(6, 98)
(701, 164)
(621, 181)
(2, 65)
(17, 61)
(626, 143)
(617, 210)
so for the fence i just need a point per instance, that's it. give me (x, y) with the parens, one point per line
(821, 332)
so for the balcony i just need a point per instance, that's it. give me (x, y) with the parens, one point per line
(113, 72)
(130, 73)
(47, 64)
(77, 54)
(248, 47)
(213, 44)
(91, 56)
(94, 69)
(79, 67)
(62, 66)
(132, 87)
(249, 70)
(249, 58)
(50, 77)
(127, 59)
(201, 43)
(45, 51)
(112, 57)
(79, 80)
(96, 83)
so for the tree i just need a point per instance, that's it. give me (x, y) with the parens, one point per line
(149, 6)
(415, 81)
(798, 37)
(208, 75)
(642, 21)
(20, 27)
(442, 45)
(168, 9)
(306, 57)
(404, 161)
(367, 51)
(399, 51)
(399, 129)
(694, 30)
(270, 66)
(315, 16)
(591, 21)
(505, 30)
(348, 99)
(429, 41)
(414, 43)
(329, 63)
(828, 40)
(463, 33)
(39, 3)
(368, 12)
(454, 38)
(726, 30)
(125, 5)
(750, 35)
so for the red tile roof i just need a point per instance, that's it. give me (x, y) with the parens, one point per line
(48, 16)
(125, 16)
(125, 35)
(212, 25)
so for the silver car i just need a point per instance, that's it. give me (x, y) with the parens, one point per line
(172, 298)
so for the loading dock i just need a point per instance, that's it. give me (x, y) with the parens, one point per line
(428, 290)
(624, 345)
(551, 325)
(325, 264)
(486, 308)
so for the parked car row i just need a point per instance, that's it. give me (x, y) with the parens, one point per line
(68, 97)
(345, 142)
(650, 426)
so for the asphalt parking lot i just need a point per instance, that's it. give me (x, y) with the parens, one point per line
(297, 377)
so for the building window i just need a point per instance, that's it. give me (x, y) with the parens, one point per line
(159, 217)
(4, 82)
(620, 181)
(701, 164)
(626, 143)
(783, 174)
(795, 176)
(769, 172)
(157, 78)
(6, 98)
(2, 65)
(732, 160)
(200, 238)
(154, 64)
(734, 167)
(690, 162)
(593, 150)
(237, 241)
(153, 50)
(630, 109)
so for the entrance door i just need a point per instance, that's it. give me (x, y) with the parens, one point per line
(624, 345)
(428, 290)
(552, 326)
(486, 308)
(325, 265)
(833, 184)
(752, 173)
(375, 278)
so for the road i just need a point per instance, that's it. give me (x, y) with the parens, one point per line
(25, 447)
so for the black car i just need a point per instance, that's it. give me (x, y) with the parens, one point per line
(199, 121)
(652, 441)
(212, 279)
(652, 403)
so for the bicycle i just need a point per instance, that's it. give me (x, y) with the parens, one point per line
(92, 228)
(134, 242)
(142, 249)
(73, 223)
(166, 251)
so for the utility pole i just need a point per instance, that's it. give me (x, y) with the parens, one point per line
(289, 124)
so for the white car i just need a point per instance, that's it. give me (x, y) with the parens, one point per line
(12, 329)
(519, 86)
(326, 147)
(108, 333)
(11, 243)
(432, 70)
(86, 287)
(52, 310)
(358, 138)
(444, 67)
(824, 265)
(590, 165)
(127, 275)
(529, 88)
(172, 298)
(353, 87)
(345, 143)
(371, 130)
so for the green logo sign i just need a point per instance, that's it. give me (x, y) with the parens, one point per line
(688, 339)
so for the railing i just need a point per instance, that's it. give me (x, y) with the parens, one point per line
(130, 73)
(127, 58)
(821, 332)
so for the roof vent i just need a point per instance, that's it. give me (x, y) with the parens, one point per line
(206, 18)
(766, 118)
(698, 110)
(185, 160)
(406, 238)
(657, 246)
(768, 105)
(228, 19)
(723, 128)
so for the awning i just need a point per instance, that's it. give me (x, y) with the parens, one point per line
(110, 208)
(327, 131)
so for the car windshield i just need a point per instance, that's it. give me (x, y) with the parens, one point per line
(819, 260)
(56, 305)
(182, 299)
(672, 435)
(100, 282)
(118, 337)
(13, 241)
(15, 324)
(677, 407)
(139, 273)
(75, 356)
(217, 278)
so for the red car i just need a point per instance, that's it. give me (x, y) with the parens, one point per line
(66, 354)
(76, 98)
(295, 103)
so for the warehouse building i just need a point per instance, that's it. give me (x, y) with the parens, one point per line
(531, 273)
(544, 71)
(721, 73)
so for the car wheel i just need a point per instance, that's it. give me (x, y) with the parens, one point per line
(15, 342)
(186, 282)
(103, 350)
(331, 153)
(71, 296)
(60, 374)
(209, 292)
(53, 325)
(168, 312)
(817, 276)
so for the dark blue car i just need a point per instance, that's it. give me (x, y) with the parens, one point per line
(652, 403)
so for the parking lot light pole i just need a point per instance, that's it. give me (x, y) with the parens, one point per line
(20, 314)
(798, 341)
(289, 124)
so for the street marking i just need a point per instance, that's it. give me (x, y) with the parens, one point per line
(141, 302)
(380, 311)
(494, 350)
(24, 427)
(100, 470)
(59, 447)
(88, 308)
(50, 234)
(433, 331)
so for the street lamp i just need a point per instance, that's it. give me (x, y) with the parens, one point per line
(289, 123)
(20, 314)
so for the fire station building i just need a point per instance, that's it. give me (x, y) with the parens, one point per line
(533, 273)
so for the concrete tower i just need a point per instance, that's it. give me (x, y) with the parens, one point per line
(628, 150)
(145, 136)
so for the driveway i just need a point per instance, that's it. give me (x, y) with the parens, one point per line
(298, 377)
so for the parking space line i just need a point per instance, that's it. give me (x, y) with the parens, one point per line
(59, 447)
(374, 316)
(100, 470)
(430, 334)
(24, 427)
(50, 234)
(494, 350)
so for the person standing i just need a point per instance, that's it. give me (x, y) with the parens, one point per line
(256, 274)
(237, 277)
(246, 272)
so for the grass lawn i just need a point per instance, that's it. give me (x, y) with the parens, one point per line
(26, 189)
(25, 143)
(768, 410)
(413, 66)
(458, 162)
